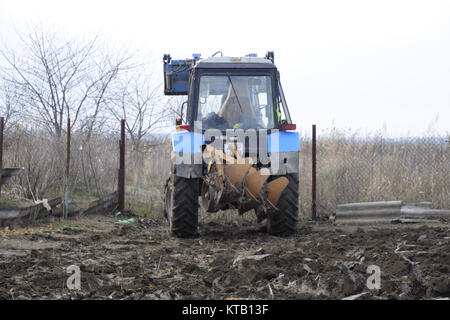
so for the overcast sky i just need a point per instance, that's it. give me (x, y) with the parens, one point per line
(349, 64)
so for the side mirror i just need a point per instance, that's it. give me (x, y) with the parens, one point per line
(179, 121)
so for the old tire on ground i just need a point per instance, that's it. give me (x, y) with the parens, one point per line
(282, 222)
(181, 206)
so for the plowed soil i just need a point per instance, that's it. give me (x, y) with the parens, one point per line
(141, 260)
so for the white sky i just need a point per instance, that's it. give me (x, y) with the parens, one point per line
(352, 64)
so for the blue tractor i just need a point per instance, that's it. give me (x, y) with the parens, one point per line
(235, 146)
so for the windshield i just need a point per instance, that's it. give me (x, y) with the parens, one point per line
(235, 102)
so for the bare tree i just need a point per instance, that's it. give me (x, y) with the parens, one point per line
(139, 101)
(59, 79)
(10, 102)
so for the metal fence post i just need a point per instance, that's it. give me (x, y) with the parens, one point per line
(66, 198)
(313, 182)
(121, 186)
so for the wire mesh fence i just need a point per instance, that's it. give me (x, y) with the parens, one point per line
(147, 171)
(351, 168)
(94, 167)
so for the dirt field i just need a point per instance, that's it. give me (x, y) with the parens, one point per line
(141, 261)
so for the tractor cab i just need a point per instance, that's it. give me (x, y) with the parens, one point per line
(229, 93)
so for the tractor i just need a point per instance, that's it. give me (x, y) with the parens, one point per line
(234, 143)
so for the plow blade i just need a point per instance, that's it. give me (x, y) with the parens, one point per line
(275, 188)
(255, 181)
(236, 172)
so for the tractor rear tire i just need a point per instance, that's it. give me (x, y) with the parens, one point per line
(181, 206)
(283, 222)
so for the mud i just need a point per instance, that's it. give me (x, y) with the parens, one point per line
(229, 260)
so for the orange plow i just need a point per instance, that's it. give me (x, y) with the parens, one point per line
(234, 179)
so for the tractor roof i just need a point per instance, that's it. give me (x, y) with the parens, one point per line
(235, 62)
(246, 59)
